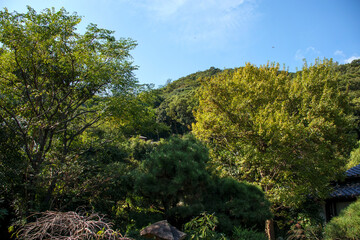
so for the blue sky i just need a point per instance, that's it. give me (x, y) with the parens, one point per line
(179, 37)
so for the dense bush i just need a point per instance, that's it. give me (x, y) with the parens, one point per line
(203, 227)
(174, 179)
(248, 234)
(346, 225)
(174, 176)
(306, 215)
(236, 204)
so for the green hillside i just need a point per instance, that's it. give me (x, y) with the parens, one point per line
(179, 100)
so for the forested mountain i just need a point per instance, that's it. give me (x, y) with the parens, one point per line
(349, 74)
(179, 100)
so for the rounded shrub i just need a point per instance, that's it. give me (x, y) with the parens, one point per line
(346, 225)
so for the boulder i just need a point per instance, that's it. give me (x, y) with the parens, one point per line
(162, 230)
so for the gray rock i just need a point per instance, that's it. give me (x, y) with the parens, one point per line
(162, 230)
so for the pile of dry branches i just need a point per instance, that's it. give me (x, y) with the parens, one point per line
(53, 225)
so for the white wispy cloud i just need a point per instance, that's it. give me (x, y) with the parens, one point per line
(350, 59)
(200, 19)
(161, 8)
(339, 53)
(299, 55)
(309, 53)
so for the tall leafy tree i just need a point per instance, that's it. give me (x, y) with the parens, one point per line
(50, 77)
(289, 135)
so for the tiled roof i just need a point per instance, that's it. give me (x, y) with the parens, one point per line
(353, 172)
(346, 191)
(349, 188)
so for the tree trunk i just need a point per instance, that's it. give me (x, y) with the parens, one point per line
(50, 191)
(269, 229)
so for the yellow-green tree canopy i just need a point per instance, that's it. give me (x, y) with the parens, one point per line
(290, 135)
